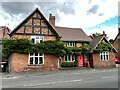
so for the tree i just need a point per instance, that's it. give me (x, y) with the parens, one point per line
(95, 35)
(111, 41)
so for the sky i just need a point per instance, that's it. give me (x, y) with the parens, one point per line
(90, 15)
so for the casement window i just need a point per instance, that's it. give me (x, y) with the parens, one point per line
(70, 44)
(37, 39)
(104, 56)
(36, 59)
(69, 58)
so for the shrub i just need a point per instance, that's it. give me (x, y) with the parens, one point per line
(67, 64)
(76, 64)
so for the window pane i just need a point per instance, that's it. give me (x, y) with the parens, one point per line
(33, 40)
(31, 54)
(106, 57)
(36, 60)
(101, 57)
(71, 43)
(37, 41)
(73, 57)
(37, 37)
(40, 54)
(69, 58)
(36, 54)
(41, 40)
(66, 58)
(40, 60)
(31, 60)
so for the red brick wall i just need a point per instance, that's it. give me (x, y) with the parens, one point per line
(19, 63)
(101, 64)
(116, 44)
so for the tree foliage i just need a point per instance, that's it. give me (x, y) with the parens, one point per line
(103, 46)
(95, 35)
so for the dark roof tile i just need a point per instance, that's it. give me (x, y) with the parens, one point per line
(72, 34)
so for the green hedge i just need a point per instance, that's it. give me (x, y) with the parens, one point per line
(68, 64)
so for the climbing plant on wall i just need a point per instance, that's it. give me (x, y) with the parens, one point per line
(103, 46)
(56, 48)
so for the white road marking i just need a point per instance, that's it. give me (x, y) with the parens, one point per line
(108, 77)
(10, 77)
(70, 81)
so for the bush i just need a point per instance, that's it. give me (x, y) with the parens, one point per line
(67, 64)
(76, 64)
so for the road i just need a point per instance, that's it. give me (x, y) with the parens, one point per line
(86, 78)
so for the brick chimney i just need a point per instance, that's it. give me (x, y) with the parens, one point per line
(52, 20)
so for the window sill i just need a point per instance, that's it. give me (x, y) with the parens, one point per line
(104, 60)
(40, 65)
(69, 61)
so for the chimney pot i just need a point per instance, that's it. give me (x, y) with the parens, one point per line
(103, 32)
(52, 20)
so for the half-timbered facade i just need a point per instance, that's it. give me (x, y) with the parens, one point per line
(35, 28)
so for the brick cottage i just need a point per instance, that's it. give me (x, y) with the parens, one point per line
(116, 44)
(36, 28)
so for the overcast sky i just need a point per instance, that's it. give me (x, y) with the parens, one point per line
(90, 15)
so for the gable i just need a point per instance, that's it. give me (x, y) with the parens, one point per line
(105, 40)
(35, 24)
(97, 41)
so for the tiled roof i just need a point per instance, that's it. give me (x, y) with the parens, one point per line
(94, 43)
(72, 34)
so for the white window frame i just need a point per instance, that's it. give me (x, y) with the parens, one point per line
(33, 56)
(70, 44)
(104, 55)
(71, 58)
(37, 39)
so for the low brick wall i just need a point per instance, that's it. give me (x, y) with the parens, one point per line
(103, 64)
(19, 63)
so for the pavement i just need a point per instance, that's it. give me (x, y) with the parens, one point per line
(65, 78)
(6, 75)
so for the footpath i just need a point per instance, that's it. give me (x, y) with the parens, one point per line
(61, 71)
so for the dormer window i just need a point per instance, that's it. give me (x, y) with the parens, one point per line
(71, 44)
(37, 39)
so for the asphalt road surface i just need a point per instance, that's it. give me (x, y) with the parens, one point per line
(78, 78)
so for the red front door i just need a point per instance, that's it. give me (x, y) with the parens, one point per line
(80, 61)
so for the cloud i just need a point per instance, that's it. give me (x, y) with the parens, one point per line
(78, 13)
(111, 31)
(15, 9)
(93, 10)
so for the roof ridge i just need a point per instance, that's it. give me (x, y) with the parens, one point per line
(68, 27)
